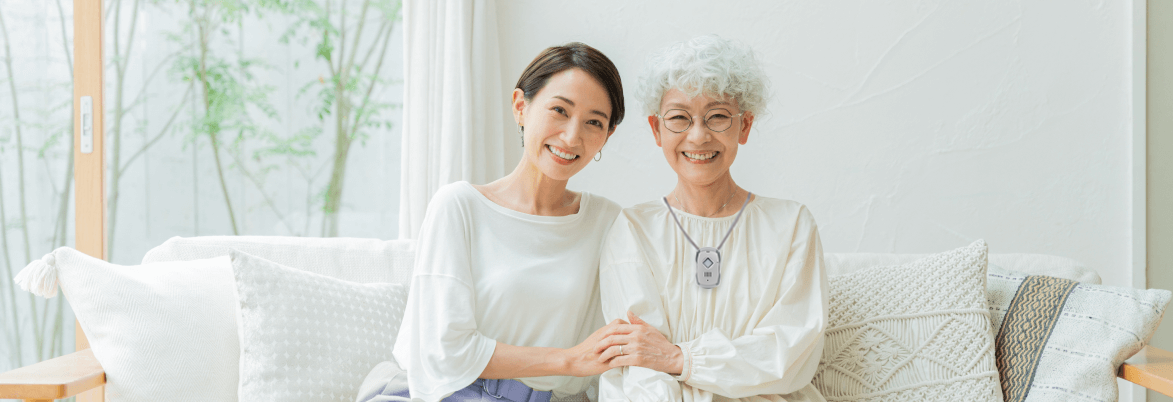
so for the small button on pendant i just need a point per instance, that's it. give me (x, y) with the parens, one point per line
(708, 267)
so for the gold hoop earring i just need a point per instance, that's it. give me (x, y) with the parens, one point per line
(599, 156)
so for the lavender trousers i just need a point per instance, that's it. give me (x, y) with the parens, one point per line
(388, 383)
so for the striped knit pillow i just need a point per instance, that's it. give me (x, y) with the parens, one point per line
(1061, 340)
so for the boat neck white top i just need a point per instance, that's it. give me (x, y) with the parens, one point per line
(757, 336)
(485, 273)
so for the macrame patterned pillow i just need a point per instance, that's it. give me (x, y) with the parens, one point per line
(309, 337)
(913, 332)
(1061, 340)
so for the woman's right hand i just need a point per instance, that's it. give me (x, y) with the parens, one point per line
(583, 360)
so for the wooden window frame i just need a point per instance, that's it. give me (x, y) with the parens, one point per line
(89, 169)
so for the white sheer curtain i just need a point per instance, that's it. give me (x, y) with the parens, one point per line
(453, 101)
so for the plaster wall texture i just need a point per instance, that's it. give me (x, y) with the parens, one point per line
(905, 126)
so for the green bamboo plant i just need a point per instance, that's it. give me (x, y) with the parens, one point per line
(120, 35)
(351, 38)
(226, 87)
(45, 320)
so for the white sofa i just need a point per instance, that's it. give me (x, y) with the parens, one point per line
(342, 257)
(370, 260)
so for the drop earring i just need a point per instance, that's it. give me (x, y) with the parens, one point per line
(521, 132)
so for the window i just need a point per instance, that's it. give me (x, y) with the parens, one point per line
(221, 118)
(251, 118)
(36, 172)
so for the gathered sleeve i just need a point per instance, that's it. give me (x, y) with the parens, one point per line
(626, 284)
(781, 353)
(439, 342)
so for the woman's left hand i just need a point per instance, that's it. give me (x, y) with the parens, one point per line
(643, 347)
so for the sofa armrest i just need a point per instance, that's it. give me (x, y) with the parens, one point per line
(1151, 368)
(57, 378)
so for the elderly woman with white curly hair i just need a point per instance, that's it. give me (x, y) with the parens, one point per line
(727, 288)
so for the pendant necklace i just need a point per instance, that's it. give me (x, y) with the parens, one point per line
(708, 259)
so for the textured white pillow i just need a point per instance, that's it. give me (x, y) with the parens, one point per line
(913, 332)
(162, 332)
(309, 337)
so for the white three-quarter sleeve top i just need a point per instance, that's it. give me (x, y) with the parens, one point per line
(485, 273)
(757, 336)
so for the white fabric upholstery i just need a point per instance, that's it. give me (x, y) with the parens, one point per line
(308, 337)
(1030, 264)
(373, 260)
(913, 332)
(349, 259)
(162, 331)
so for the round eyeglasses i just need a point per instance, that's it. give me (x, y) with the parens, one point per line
(716, 119)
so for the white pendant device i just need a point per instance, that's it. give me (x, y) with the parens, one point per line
(708, 259)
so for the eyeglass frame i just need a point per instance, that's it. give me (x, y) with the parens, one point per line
(704, 121)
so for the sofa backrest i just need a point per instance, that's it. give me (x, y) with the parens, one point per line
(350, 259)
(1030, 264)
(373, 260)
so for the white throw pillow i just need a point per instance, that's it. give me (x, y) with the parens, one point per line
(309, 337)
(162, 332)
(913, 332)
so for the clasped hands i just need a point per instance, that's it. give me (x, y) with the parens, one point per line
(627, 343)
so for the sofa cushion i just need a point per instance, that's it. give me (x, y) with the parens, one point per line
(918, 331)
(308, 337)
(349, 259)
(1060, 340)
(162, 331)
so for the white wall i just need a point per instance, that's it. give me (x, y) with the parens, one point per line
(907, 127)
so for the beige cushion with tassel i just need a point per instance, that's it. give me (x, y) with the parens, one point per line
(162, 332)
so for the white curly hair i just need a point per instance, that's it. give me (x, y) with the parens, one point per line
(708, 65)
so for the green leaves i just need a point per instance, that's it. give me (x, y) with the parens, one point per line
(345, 44)
(325, 47)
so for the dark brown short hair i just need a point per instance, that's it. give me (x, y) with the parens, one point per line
(556, 59)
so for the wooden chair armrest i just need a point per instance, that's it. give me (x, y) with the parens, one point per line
(57, 378)
(1151, 368)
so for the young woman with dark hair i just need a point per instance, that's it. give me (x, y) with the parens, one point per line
(504, 301)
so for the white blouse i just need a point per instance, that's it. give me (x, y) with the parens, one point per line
(485, 273)
(757, 336)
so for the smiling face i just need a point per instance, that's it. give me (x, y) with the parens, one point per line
(566, 123)
(699, 155)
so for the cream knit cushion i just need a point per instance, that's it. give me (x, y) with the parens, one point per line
(162, 332)
(1059, 340)
(308, 337)
(913, 332)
